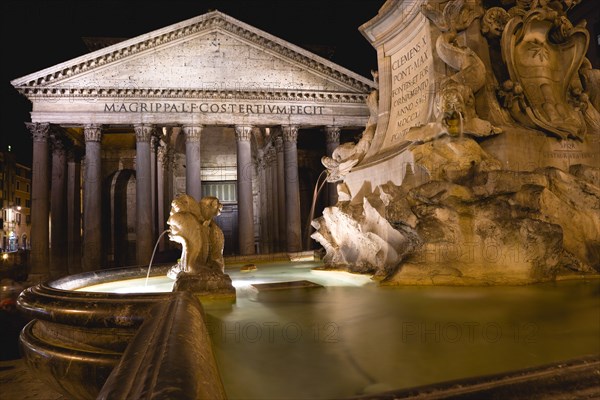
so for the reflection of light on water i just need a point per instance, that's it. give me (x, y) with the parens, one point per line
(286, 272)
(239, 283)
(340, 278)
(266, 273)
(156, 284)
(456, 294)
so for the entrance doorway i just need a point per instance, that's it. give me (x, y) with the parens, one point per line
(121, 203)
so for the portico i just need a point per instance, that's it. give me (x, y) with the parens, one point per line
(207, 106)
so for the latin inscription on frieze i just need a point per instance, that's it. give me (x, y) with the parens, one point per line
(211, 108)
(412, 83)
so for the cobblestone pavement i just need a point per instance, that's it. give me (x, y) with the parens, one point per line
(18, 383)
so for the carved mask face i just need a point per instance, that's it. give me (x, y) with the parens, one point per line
(452, 102)
(176, 228)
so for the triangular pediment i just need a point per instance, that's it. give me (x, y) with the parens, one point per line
(211, 52)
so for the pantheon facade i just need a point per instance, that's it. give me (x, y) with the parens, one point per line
(207, 106)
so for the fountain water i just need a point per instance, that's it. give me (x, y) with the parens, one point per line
(153, 253)
(311, 214)
(350, 326)
(359, 335)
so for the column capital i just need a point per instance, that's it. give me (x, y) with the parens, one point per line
(243, 133)
(39, 130)
(92, 132)
(143, 132)
(290, 133)
(192, 132)
(332, 134)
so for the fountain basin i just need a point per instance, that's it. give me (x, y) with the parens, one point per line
(76, 338)
(351, 337)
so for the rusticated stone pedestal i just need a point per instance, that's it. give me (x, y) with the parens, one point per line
(208, 283)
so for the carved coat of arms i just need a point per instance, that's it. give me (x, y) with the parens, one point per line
(543, 53)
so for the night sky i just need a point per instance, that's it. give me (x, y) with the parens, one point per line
(40, 34)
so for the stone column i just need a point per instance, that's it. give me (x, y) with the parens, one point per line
(263, 209)
(267, 194)
(169, 162)
(39, 200)
(154, 143)
(272, 203)
(143, 194)
(92, 195)
(73, 211)
(162, 162)
(58, 206)
(192, 160)
(332, 139)
(292, 189)
(280, 208)
(244, 192)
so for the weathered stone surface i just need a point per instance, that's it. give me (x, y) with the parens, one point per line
(358, 238)
(204, 282)
(481, 243)
(572, 204)
(506, 182)
(523, 149)
(491, 178)
(453, 159)
(472, 223)
(587, 173)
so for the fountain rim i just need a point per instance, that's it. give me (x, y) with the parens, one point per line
(59, 301)
(83, 279)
